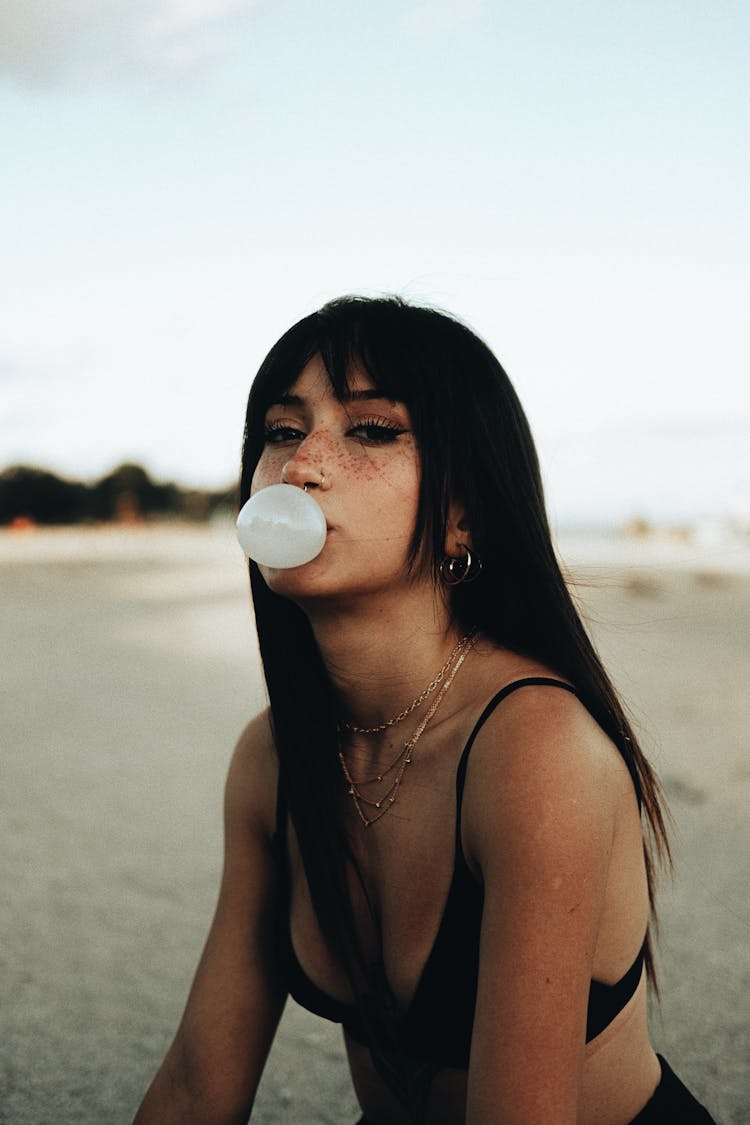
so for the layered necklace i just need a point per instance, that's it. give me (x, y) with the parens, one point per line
(443, 680)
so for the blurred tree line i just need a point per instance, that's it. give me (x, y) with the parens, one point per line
(30, 495)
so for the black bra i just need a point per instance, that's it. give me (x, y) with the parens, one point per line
(437, 1025)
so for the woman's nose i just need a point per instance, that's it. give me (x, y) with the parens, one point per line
(305, 470)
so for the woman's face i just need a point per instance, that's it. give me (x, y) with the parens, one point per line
(363, 450)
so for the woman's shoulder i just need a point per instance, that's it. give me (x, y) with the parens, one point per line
(539, 756)
(255, 744)
(535, 728)
(530, 715)
(252, 780)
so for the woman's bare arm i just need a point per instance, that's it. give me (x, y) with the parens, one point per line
(211, 1071)
(539, 819)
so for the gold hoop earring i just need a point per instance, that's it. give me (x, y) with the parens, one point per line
(462, 568)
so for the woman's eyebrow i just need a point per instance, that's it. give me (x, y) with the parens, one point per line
(366, 395)
(287, 400)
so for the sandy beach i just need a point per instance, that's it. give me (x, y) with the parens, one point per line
(129, 671)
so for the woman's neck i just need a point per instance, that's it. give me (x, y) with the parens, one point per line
(380, 655)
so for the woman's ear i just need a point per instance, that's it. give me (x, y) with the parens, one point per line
(457, 533)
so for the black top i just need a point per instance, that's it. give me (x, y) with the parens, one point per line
(409, 1046)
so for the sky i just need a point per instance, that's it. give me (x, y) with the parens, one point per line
(184, 179)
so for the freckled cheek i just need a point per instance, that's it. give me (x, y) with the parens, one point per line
(267, 471)
(392, 474)
(391, 491)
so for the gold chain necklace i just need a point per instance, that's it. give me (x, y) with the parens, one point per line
(388, 799)
(433, 684)
(362, 730)
(407, 745)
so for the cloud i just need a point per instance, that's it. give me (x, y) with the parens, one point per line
(47, 43)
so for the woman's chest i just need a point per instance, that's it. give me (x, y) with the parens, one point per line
(413, 1009)
(405, 887)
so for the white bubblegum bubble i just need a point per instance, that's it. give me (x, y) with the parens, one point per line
(281, 526)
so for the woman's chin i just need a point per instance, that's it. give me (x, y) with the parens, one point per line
(310, 579)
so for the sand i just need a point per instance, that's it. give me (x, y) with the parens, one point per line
(129, 670)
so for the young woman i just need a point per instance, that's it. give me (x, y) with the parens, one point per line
(441, 833)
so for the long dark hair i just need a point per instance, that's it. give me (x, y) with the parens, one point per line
(475, 446)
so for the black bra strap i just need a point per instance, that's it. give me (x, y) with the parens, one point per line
(528, 681)
(607, 1000)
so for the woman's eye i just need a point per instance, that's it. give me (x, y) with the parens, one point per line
(277, 433)
(377, 432)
